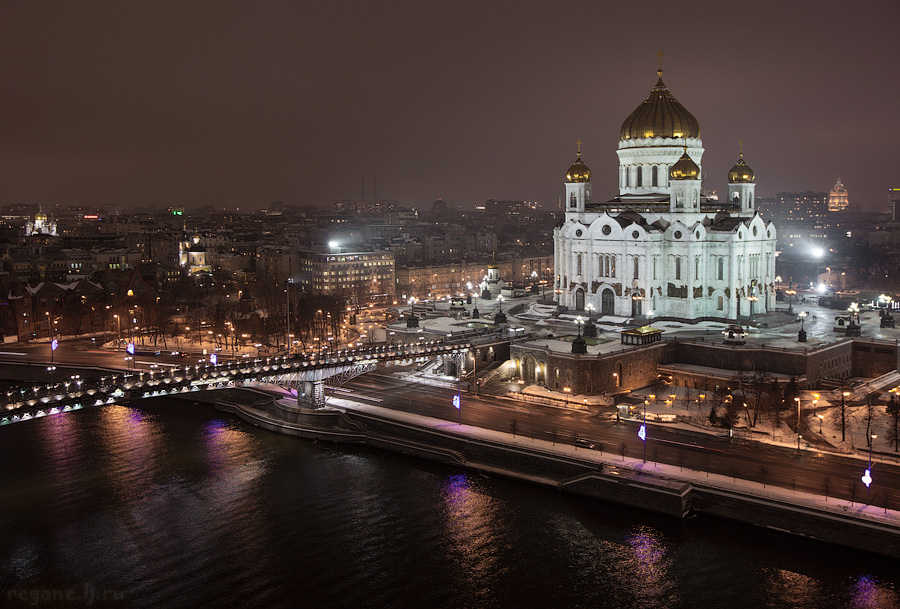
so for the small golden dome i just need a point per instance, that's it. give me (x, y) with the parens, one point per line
(741, 173)
(40, 217)
(660, 115)
(685, 168)
(578, 172)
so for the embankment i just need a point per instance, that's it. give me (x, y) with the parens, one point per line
(584, 472)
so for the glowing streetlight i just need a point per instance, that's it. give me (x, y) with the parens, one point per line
(801, 335)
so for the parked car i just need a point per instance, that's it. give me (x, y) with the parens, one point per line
(583, 443)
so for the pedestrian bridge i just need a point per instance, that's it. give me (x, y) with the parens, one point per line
(307, 373)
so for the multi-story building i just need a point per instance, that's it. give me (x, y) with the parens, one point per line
(838, 198)
(360, 276)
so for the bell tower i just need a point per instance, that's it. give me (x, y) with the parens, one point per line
(741, 186)
(578, 185)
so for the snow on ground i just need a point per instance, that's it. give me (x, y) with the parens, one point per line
(612, 461)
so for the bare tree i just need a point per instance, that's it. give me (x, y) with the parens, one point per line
(893, 431)
(758, 398)
(841, 414)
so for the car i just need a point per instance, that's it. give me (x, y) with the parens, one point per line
(583, 443)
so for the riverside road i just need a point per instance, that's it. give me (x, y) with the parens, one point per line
(805, 470)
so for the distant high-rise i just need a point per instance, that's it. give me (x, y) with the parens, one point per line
(838, 199)
(894, 203)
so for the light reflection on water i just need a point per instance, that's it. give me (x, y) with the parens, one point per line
(187, 508)
(471, 520)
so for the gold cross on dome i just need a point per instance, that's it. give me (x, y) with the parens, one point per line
(741, 146)
(579, 147)
(659, 54)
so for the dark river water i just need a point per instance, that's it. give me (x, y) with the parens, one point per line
(174, 505)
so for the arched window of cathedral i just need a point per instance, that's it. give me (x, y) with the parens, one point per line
(696, 267)
(573, 201)
(720, 273)
(677, 267)
(640, 176)
(612, 265)
(654, 176)
(636, 267)
(736, 198)
(579, 264)
(627, 177)
(721, 304)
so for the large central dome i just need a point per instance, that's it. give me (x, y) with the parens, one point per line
(660, 115)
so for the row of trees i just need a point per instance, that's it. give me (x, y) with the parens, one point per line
(753, 397)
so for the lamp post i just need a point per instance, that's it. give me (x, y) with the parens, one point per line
(567, 391)
(867, 477)
(579, 322)
(642, 432)
(799, 437)
(798, 414)
(590, 310)
(821, 418)
(790, 294)
(801, 335)
(752, 298)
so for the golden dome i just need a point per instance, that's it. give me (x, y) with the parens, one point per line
(685, 168)
(660, 115)
(40, 217)
(741, 173)
(578, 172)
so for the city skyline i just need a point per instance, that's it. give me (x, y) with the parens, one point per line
(216, 104)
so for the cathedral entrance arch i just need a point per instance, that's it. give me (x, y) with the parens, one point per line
(528, 369)
(607, 302)
(579, 300)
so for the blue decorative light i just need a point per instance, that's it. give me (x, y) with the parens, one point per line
(456, 403)
(130, 348)
(867, 479)
(642, 433)
(54, 344)
(213, 359)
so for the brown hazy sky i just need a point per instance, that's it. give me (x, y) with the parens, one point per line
(240, 103)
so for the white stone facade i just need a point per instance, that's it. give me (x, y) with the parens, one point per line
(660, 248)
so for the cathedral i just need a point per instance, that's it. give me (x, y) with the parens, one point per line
(661, 248)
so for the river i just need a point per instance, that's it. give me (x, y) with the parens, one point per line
(168, 505)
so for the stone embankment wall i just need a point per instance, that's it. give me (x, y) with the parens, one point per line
(608, 482)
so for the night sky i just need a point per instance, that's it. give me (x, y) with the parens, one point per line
(236, 104)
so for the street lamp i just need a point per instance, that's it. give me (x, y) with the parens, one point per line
(821, 418)
(616, 379)
(578, 322)
(790, 293)
(799, 437)
(567, 391)
(752, 298)
(801, 335)
(798, 414)
(590, 310)
(642, 432)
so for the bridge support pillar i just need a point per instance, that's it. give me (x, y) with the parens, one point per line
(311, 394)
